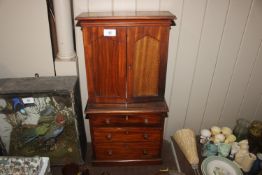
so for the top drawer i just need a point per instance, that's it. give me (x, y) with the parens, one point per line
(126, 120)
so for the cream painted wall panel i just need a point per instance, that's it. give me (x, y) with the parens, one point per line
(175, 7)
(209, 46)
(232, 37)
(253, 92)
(124, 5)
(258, 112)
(192, 23)
(147, 5)
(100, 5)
(244, 65)
(25, 45)
(79, 7)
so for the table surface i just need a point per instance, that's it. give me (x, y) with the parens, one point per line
(182, 162)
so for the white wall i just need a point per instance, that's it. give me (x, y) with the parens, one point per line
(25, 46)
(215, 59)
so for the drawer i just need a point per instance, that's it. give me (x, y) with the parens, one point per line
(127, 151)
(126, 134)
(126, 120)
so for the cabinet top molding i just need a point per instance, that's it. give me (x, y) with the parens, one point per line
(126, 15)
(125, 18)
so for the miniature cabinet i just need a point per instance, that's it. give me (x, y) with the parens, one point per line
(126, 59)
(42, 117)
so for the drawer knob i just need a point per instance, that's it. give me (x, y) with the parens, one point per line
(146, 121)
(126, 117)
(110, 152)
(107, 121)
(145, 152)
(109, 136)
(145, 136)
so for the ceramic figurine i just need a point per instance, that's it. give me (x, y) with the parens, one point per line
(241, 129)
(244, 145)
(245, 161)
(226, 131)
(224, 149)
(215, 130)
(219, 138)
(243, 158)
(230, 138)
(234, 149)
(209, 149)
(205, 136)
(255, 136)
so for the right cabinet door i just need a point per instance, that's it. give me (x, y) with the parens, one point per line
(147, 48)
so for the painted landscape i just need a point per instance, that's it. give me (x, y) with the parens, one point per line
(40, 126)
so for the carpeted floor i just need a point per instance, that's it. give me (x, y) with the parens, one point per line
(168, 162)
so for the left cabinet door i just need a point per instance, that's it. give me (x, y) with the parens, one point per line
(105, 59)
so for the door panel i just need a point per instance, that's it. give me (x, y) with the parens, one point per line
(146, 66)
(146, 59)
(106, 64)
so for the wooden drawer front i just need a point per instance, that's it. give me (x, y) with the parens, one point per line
(126, 120)
(127, 151)
(127, 134)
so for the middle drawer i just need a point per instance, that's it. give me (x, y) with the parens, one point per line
(126, 134)
(142, 120)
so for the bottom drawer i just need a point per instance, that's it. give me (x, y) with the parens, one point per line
(127, 151)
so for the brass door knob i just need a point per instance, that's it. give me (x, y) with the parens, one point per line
(145, 136)
(107, 121)
(109, 136)
(146, 121)
(110, 152)
(145, 152)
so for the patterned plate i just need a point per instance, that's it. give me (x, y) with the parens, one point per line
(215, 165)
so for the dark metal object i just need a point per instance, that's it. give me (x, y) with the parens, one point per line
(3, 151)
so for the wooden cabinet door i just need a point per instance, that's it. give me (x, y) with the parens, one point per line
(105, 58)
(146, 62)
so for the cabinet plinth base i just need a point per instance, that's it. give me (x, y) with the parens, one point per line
(126, 162)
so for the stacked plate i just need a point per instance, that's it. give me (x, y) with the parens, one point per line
(215, 165)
